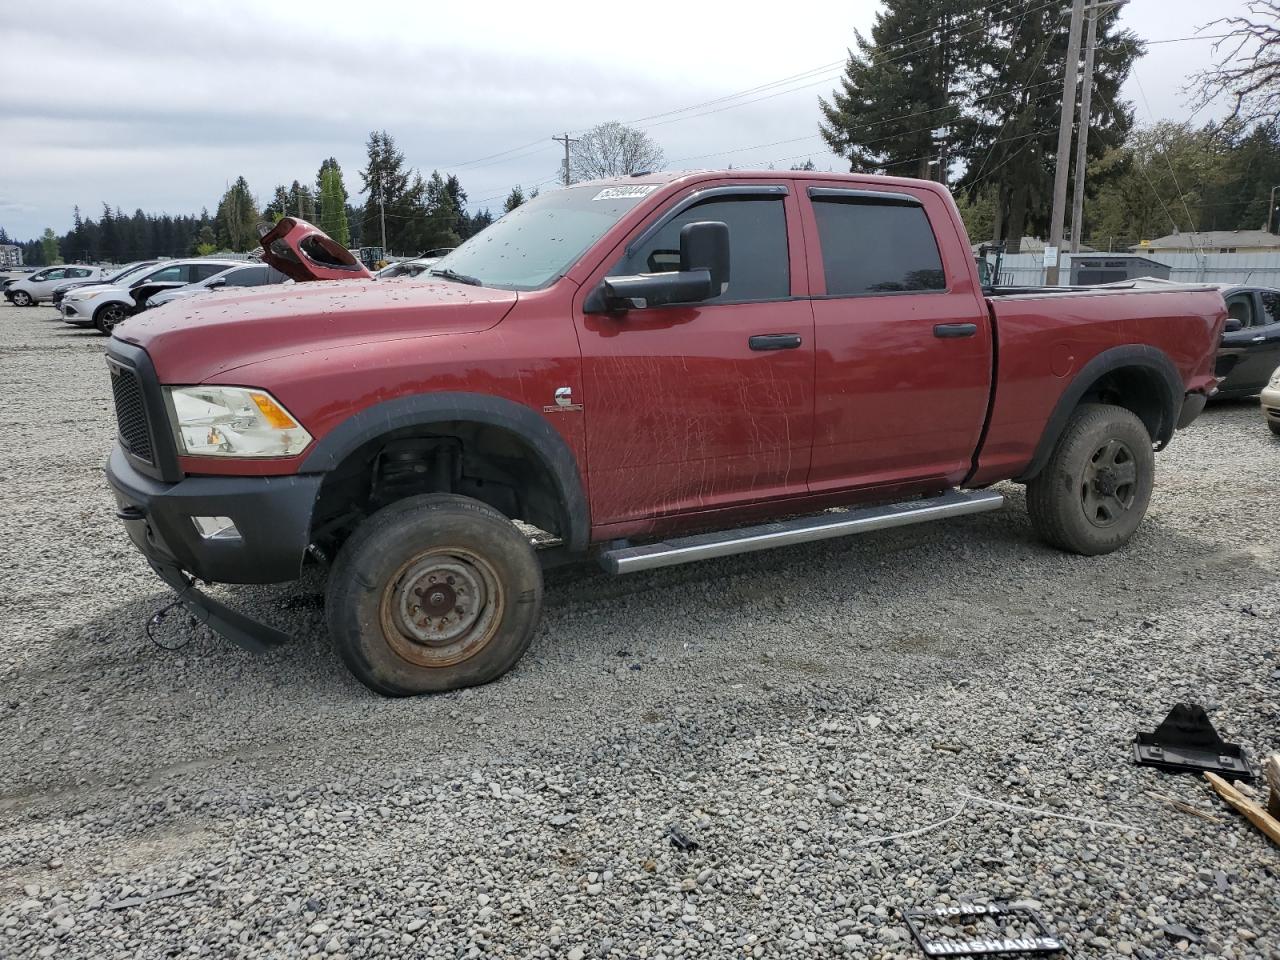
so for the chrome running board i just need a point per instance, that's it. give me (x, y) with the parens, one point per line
(824, 526)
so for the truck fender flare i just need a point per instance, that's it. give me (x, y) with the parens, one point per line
(546, 442)
(1162, 373)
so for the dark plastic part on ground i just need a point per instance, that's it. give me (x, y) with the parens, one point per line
(1185, 742)
(1043, 942)
(227, 623)
(680, 840)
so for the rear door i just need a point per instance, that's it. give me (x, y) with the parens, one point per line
(903, 338)
(1250, 354)
(1264, 341)
(703, 405)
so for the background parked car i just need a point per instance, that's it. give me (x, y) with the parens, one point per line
(246, 275)
(1250, 348)
(1271, 402)
(107, 305)
(40, 286)
(116, 276)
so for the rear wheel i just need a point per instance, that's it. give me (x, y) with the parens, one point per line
(109, 316)
(433, 593)
(22, 299)
(1093, 492)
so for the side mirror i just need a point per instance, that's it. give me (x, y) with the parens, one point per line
(216, 282)
(705, 246)
(1233, 325)
(703, 274)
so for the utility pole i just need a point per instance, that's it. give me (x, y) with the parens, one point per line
(1070, 78)
(382, 215)
(566, 140)
(1082, 135)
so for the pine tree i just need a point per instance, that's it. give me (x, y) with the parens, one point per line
(1007, 139)
(49, 246)
(386, 178)
(236, 222)
(514, 199)
(279, 204)
(898, 97)
(333, 204)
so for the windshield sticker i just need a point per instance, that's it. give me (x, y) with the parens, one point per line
(626, 193)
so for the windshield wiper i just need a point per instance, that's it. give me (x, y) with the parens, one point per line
(458, 277)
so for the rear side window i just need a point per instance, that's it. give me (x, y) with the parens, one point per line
(248, 277)
(1271, 307)
(163, 275)
(203, 271)
(758, 261)
(870, 247)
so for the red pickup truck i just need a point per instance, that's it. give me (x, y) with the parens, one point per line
(650, 370)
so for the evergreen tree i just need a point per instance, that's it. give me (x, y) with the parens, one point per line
(109, 246)
(49, 246)
(236, 222)
(386, 178)
(900, 91)
(279, 204)
(514, 199)
(478, 222)
(1008, 137)
(302, 203)
(333, 204)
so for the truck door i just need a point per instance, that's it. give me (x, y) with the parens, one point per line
(903, 339)
(704, 405)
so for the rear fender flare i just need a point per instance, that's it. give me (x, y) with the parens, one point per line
(547, 444)
(1163, 373)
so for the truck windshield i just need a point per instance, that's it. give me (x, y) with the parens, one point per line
(538, 241)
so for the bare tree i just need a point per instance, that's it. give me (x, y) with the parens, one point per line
(1249, 71)
(613, 150)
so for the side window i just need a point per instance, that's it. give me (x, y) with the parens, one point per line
(77, 273)
(248, 277)
(203, 271)
(165, 275)
(53, 275)
(759, 267)
(1240, 307)
(870, 247)
(1271, 307)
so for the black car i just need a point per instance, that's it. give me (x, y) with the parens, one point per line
(1250, 350)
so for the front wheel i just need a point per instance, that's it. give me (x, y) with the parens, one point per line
(109, 316)
(22, 299)
(1093, 492)
(433, 593)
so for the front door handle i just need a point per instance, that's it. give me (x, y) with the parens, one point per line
(1261, 339)
(774, 341)
(946, 331)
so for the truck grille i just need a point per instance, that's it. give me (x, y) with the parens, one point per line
(131, 414)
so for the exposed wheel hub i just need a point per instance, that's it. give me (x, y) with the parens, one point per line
(439, 599)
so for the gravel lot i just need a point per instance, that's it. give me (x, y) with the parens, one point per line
(784, 710)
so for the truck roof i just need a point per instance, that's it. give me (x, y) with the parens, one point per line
(663, 177)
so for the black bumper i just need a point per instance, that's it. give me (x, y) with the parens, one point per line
(1192, 406)
(272, 514)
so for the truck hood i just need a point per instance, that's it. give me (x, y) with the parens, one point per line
(197, 338)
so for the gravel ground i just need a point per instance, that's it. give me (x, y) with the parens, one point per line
(783, 710)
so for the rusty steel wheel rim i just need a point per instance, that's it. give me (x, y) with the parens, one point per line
(442, 607)
(1110, 483)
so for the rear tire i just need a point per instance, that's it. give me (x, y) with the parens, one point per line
(22, 299)
(1094, 491)
(433, 593)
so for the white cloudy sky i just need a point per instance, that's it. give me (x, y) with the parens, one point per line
(157, 103)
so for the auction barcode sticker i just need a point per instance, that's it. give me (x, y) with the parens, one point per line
(634, 192)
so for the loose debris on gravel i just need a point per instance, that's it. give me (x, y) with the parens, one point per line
(791, 708)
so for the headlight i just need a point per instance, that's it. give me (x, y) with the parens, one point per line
(1275, 379)
(85, 294)
(234, 422)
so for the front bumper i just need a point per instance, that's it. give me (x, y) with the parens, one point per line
(272, 515)
(1270, 400)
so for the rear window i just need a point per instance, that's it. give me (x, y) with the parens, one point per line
(871, 247)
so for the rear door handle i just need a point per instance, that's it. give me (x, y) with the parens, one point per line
(947, 331)
(774, 341)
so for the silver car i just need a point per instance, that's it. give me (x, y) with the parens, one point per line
(41, 284)
(106, 305)
(245, 275)
(1271, 402)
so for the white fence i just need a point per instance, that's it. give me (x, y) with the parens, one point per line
(1262, 269)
